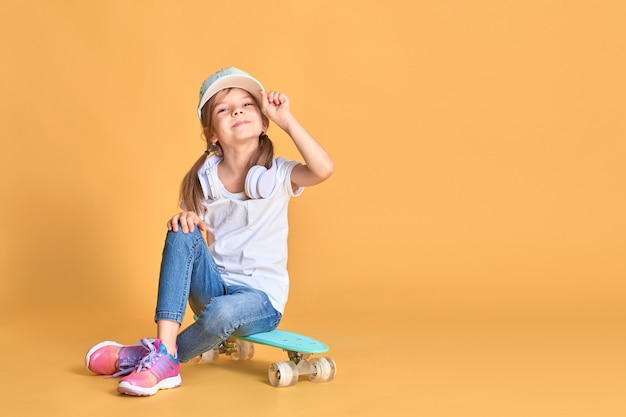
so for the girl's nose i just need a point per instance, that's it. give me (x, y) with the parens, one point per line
(237, 111)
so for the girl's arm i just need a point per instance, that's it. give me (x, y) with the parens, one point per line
(318, 163)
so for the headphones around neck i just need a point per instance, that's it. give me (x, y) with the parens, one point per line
(260, 181)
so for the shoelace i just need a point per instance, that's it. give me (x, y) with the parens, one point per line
(127, 365)
(124, 370)
(147, 361)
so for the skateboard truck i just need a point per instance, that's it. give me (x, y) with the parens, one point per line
(286, 374)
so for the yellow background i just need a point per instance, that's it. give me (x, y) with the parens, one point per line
(478, 199)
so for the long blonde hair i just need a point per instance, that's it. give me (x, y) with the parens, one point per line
(191, 194)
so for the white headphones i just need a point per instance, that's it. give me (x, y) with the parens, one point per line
(260, 181)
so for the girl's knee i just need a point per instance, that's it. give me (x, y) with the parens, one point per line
(179, 237)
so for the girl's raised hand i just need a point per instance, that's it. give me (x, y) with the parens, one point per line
(276, 107)
(188, 220)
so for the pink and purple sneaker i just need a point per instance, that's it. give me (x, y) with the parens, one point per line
(157, 370)
(112, 358)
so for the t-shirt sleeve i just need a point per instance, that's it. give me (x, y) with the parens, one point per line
(285, 167)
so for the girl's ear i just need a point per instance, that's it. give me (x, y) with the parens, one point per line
(207, 134)
(211, 137)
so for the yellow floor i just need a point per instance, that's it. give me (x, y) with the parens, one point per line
(412, 367)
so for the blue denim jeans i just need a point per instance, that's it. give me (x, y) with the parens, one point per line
(189, 274)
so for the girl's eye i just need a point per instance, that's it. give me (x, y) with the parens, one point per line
(248, 104)
(222, 110)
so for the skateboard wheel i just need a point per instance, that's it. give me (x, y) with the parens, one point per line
(210, 356)
(283, 374)
(325, 369)
(243, 351)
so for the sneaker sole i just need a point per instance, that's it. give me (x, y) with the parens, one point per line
(168, 383)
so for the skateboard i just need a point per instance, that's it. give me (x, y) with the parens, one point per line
(299, 349)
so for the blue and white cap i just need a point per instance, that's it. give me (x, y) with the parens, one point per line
(230, 77)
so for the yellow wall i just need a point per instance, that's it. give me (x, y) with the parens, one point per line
(479, 149)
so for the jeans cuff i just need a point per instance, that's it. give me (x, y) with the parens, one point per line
(166, 315)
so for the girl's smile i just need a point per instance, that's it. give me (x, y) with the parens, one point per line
(241, 122)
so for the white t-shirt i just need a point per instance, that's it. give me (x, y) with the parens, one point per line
(250, 235)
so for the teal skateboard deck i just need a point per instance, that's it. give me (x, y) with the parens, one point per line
(288, 341)
(299, 348)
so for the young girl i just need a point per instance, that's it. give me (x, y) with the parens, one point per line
(237, 193)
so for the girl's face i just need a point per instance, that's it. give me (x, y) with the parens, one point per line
(236, 118)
